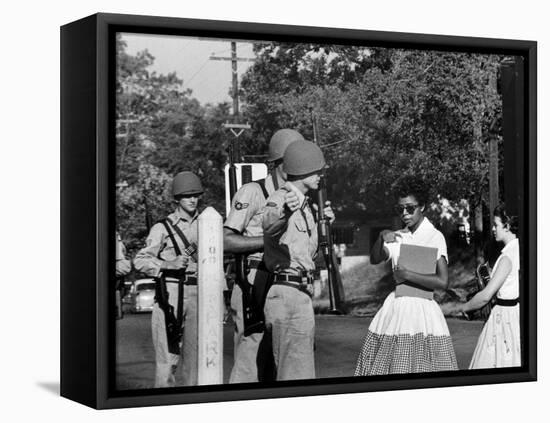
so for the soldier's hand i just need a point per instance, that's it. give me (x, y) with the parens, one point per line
(178, 263)
(390, 236)
(329, 213)
(123, 267)
(292, 201)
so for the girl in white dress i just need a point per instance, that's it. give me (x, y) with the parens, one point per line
(409, 334)
(499, 342)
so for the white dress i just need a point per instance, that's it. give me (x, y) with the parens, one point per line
(499, 342)
(409, 334)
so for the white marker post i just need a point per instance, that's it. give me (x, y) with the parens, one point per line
(210, 300)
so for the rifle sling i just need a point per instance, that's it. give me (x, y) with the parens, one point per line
(261, 183)
(171, 235)
(190, 249)
(163, 301)
(275, 180)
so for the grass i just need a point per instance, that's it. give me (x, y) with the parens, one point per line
(366, 286)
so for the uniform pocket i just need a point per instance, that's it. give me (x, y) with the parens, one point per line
(300, 225)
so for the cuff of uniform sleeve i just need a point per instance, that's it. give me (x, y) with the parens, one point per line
(236, 231)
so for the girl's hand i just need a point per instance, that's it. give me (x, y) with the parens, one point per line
(400, 274)
(389, 236)
(457, 309)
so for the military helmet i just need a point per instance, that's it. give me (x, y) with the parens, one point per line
(303, 158)
(280, 141)
(186, 183)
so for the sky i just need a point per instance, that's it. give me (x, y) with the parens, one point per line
(189, 57)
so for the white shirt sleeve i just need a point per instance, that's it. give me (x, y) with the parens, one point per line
(441, 246)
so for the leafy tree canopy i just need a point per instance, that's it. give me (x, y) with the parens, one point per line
(382, 113)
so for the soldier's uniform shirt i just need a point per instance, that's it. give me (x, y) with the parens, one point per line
(120, 249)
(159, 248)
(290, 239)
(245, 218)
(290, 245)
(120, 256)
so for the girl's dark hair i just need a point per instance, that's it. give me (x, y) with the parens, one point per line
(412, 185)
(506, 219)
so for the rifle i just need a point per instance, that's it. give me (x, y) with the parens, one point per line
(325, 239)
(173, 323)
(253, 321)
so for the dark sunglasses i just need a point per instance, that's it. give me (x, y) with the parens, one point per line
(410, 208)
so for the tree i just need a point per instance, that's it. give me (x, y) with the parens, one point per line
(384, 113)
(161, 130)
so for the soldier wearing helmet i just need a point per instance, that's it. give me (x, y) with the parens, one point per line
(243, 234)
(170, 247)
(290, 246)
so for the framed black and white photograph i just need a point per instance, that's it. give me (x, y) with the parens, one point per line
(278, 211)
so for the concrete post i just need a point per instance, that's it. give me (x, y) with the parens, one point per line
(210, 298)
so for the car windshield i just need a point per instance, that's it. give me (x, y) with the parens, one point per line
(145, 286)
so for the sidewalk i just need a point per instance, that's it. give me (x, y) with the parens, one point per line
(338, 340)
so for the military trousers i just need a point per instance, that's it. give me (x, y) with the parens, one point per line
(245, 348)
(290, 319)
(172, 369)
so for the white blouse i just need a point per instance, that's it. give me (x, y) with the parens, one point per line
(510, 288)
(426, 235)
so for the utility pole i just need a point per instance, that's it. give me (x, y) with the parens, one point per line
(235, 80)
(235, 88)
(234, 76)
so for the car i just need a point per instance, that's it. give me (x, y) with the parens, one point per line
(142, 296)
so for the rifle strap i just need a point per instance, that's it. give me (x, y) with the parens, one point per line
(171, 235)
(302, 212)
(190, 249)
(261, 183)
(274, 179)
(179, 314)
(161, 297)
(162, 288)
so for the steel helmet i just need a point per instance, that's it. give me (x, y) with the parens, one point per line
(302, 158)
(186, 183)
(280, 141)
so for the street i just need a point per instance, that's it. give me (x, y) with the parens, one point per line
(338, 340)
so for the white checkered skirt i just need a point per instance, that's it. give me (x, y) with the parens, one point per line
(407, 335)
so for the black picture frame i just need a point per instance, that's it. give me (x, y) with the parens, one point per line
(87, 212)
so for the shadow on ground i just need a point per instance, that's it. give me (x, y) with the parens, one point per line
(51, 387)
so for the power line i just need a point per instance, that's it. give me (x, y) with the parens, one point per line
(197, 72)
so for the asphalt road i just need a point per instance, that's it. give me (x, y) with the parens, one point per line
(338, 340)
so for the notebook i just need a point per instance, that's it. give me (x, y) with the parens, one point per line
(419, 259)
